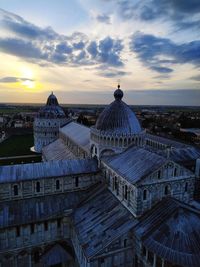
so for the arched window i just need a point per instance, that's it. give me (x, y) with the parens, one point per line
(125, 242)
(186, 187)
(144, 194)
(126, 192)
(175, 171)
(15, 190)
(76, 181)
(116, 183)
(32, 228)
(166, 190)
(57, 184)
(38, 187)
(159, 174)
(17, 231)
(46, 226)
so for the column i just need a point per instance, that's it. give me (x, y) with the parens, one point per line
(154, 260)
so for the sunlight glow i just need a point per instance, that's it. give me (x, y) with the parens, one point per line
(29, 84)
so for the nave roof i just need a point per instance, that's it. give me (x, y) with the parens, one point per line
(100, 220)
(57, 150)
(78, 133)
(59, 168)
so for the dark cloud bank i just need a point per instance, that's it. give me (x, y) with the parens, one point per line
(160, 54)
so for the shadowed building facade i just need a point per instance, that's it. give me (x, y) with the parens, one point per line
(107, 196)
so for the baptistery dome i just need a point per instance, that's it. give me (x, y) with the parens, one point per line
(47, 123)
(51, 109)
(118, 118)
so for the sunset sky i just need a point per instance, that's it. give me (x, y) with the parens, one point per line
(80, 49)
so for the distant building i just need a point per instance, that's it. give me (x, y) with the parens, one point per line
(47, 123)
(18, 124)
(192, 133)
(107, 196)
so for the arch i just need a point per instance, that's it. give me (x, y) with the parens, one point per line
(175, 171)
(186, 186)
(145, 194)
(126, 192)
(167, 190)
(57, 184)
(125, 142)
(38, 187)
(16, 190)
(93, 150)
(120, 141)
(112, 141)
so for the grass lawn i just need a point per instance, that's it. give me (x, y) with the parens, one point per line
(20, 160)
(16, 145)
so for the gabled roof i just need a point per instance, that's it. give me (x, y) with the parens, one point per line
(135, 163)
(100, 220)
(30, 210)
(185, 154)
(78, 133)
(15, 173)
(166, 141)
(57, 150)
(171, 230)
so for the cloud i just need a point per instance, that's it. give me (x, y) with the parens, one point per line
(182, 13)
(21, 48)
(103, 18)
(80, 45)
(11, 79)
(19, 26)
(159, 54)
(45, 46)
(195, 78)
(113, 73)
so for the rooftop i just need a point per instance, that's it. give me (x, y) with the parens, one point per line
(118, 118)
(14, 173)
(78, 133)
(57, 150)
(51, 109)
(100, 220)
(172, 231)
(130, 164)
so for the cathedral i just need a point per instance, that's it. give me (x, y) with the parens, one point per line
(111, 195)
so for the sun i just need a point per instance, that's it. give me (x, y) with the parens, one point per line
(27, 77)
(29, 84)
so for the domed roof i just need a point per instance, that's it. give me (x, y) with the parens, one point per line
(118, 118)
(51, 109)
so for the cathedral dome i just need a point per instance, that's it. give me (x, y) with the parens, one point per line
(51, 109)
(118, 118)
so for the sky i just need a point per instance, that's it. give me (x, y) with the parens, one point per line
(80, 49)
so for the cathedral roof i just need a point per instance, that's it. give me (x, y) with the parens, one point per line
(100, 220)
(57, 150)
(78, 133)
(118, 118)
(28, 210)
(52, 109)
(171, 230)
(135, 163)
(14, 173)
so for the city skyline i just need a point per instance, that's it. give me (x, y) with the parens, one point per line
(79, 49)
